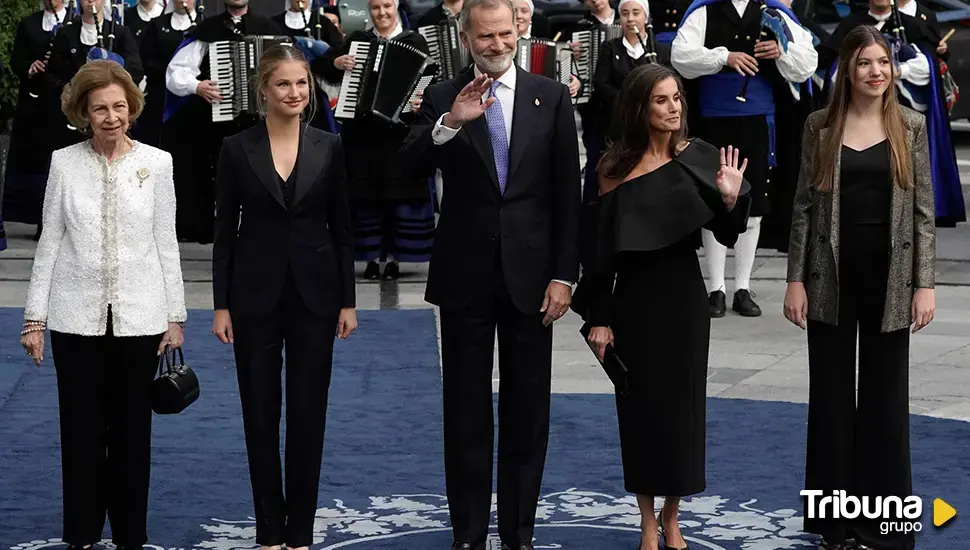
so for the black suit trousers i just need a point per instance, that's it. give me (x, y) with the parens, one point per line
(258, 346)
(525, 367)
(104, 393)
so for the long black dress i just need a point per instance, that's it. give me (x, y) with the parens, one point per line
(642, 236)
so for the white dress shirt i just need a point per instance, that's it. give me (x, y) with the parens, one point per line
(635, 51)
(147, 16)
(181, 21)
(505, 94)
(692, 59)
(109, 239)
(89, 33)
(295, 19)
(48, 21)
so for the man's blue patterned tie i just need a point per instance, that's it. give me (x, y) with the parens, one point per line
(499, 137)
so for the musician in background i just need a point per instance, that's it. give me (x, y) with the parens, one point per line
(29, 155)
(138, 18)
(618, 57)
(159, 42)
(918, 69)
(505, 141)
(931, 23)
(599, 13)
(393, 213)
(333, 14)
(439, 13)
(666, 16)
(721, 50)
(70, 53)
(528, 23)
(295, 22)
(189, 132)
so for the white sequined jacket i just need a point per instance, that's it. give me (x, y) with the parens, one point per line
(108, 239)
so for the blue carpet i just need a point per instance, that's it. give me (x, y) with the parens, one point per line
(383, 470)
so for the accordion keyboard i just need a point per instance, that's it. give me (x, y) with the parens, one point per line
(222, 74)
(350, 88)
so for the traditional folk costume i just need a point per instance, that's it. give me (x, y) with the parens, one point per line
(712, 29)
(188, 130)
(303, 27)
(920, 87)
(393, 213)
(29, 155)
(139, 20)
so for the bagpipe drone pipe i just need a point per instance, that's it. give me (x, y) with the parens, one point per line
(103, 50)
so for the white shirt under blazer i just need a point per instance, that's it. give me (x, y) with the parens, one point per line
(108, 239)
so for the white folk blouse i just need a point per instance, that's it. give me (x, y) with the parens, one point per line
(108, 239)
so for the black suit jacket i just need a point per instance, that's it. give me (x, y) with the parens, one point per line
(534, 224)
(311, 239)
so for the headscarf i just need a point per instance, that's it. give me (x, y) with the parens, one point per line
(643, 4)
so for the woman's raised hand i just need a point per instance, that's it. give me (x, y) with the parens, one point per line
(730, 176)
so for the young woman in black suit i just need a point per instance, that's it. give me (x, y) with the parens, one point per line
(284, 276)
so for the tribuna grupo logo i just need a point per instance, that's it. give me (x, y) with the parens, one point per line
(899, 515)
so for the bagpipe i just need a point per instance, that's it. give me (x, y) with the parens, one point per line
(312, 45)
(101, 50)
(914, 97)
(771, 22)
(34, 83)
(650, 44)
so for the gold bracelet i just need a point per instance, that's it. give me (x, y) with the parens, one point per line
(27, 331)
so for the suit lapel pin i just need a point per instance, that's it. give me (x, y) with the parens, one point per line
(537, 102)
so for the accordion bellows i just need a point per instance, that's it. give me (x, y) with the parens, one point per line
(386, 77)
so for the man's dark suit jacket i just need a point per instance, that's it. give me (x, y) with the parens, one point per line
(534, 226)
(310, 238)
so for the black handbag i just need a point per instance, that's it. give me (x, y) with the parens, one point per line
(615, 368)
(176, 387)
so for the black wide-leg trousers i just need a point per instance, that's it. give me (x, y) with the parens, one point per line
(104, 393)
(859, 446)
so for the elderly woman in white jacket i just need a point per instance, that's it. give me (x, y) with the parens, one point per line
(107, 283)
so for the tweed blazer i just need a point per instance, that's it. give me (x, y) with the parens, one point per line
(813, 254)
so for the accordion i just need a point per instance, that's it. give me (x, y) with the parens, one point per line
(590, 41)
(551, 59)
(233, 65)
(386, 77)
(446, 47)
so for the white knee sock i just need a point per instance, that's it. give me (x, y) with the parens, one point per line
(744, 252)
(716, 254)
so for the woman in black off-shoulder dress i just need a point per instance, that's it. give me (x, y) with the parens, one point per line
(657, 189)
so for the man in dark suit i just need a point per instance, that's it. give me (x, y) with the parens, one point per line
(505, 255)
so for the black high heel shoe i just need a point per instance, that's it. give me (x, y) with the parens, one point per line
(663, 533)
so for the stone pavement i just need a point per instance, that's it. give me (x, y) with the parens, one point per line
(762, 358)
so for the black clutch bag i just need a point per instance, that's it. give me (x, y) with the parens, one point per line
(615, 369)
(176, 387)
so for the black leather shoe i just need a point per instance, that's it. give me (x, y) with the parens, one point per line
(523, 546)
(373, 271)
(468, 546)
(744, 305)
(391, 271)
(718, 303)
